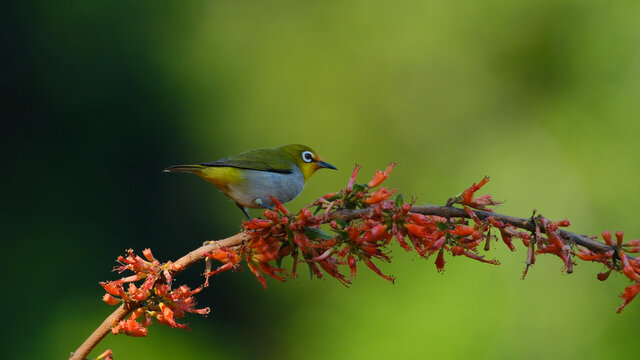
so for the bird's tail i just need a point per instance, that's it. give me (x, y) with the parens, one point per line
(184, 168)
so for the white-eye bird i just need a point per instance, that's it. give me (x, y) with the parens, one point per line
(251, 178)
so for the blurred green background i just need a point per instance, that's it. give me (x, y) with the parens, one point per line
(100, 96)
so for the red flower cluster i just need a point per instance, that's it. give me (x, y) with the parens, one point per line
(158, 300)
(430, 234)
(481, 202)
(359, 235)
(299, 236)
(229, 259)
(556, 245)
(282, 234)
(617, 259)
(349, 239)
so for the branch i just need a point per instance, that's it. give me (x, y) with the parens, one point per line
(454, 212)
(364, 222)
(126, 308)
(198, 255)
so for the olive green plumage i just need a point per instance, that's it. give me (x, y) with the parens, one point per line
(251, 178)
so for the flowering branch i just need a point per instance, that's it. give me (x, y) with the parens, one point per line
(362, 222)
(454, 212)
(127, 307)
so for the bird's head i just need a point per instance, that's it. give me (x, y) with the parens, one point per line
(305, 158)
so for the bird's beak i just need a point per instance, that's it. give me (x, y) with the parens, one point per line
(323, 164)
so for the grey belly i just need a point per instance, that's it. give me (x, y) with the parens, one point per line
(259, 186)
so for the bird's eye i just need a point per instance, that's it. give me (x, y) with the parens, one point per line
(307, 156)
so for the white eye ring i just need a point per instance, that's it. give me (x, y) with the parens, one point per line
(307, 156)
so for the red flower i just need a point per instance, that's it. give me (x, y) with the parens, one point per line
(380, 176)
(632, 246)
(634, 242)
(278, 206)
(629, 293)
(136, 264)
(380, 195)
(254, 270)
(588, 255)
(462, 230)
(604, 275)
(619, 236)
(167, 317)
(352, 179)
(136, 293)
(375, 269)
(110, 299)
(557, 245)
(224, 255)
(129, 327)
(114, 288)
(506, 232)
(147, 254)
(440, 261)
(329, 266)
(376, 233)
(416, 230)
(395, 230)
(228, 258)
(257, 224)
(105, 355)
(351, 260)
(437, 245)
(627, 269)
(270, 270)
(475, 256)
(480, 202)
(457, 250)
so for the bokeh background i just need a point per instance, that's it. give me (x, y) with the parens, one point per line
(543, 96)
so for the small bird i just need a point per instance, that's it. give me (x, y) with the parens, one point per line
(251, 178)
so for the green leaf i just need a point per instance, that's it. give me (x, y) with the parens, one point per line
(399, 200)
(357, 187)
(350, 205)
(279, 259)
(311, 273)
(310, 265)
(315, 233)
(442, 226)
(341, 223)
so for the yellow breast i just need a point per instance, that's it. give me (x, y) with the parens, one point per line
(222, 177)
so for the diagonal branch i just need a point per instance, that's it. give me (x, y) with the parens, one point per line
(126, 308)
(198, 255)
(453, 212)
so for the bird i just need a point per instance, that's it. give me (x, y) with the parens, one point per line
(252, 177)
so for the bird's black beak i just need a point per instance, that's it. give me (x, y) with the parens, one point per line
(326, 165)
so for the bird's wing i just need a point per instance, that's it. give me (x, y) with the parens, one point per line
(255, 160)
